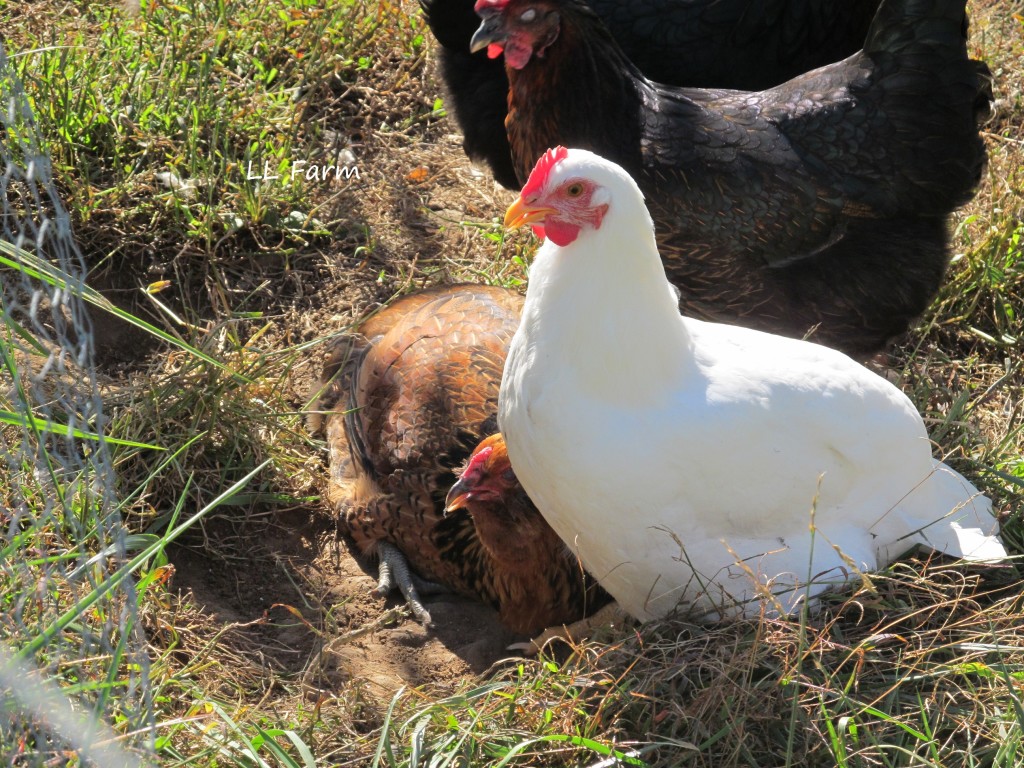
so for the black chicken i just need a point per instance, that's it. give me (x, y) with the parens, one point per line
(747, 44)
(816, 207)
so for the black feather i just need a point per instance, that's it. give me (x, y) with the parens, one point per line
(748, 44)
(819, 204)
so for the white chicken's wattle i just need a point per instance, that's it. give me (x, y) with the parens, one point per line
(696, 464)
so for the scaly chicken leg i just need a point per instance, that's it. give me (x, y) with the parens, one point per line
(609, 615)
(393, 570)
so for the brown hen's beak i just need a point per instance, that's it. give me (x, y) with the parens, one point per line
(491, 32)
(457, 497)
(522, 212)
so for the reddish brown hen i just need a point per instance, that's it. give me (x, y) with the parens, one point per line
(405, 401)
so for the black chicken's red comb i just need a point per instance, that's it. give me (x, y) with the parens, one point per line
(481, 4)
(539, 174)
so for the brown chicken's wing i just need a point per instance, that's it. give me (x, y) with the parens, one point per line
(408, 396)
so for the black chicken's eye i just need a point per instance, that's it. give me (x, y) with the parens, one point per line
(574, 190)
(528, 15)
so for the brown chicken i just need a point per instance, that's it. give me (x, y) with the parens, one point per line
(818, 206)
(403, 404)
(539, 581)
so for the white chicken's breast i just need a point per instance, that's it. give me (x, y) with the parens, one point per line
(695, 464)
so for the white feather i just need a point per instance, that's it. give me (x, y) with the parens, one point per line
(681, 460)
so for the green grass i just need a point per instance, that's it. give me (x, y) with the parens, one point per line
(922, 665)
(157, 123)
(198, 89)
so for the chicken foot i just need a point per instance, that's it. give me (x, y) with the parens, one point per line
(394, 571)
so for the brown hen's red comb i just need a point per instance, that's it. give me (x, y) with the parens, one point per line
(539, 174)
(478, 460)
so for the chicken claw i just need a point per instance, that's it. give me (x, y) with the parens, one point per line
(394, 571)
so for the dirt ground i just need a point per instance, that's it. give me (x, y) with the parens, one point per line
(305, 607)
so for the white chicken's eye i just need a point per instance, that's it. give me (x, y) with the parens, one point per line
(528, 15)
(574, 190)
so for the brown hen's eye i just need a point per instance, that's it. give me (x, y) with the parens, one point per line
(528, 15)
(574, 190)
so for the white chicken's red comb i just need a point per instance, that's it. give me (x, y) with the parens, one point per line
(541, 171)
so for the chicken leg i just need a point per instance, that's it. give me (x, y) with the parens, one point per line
(394, 571)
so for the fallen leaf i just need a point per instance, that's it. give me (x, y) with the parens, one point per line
(418, 175)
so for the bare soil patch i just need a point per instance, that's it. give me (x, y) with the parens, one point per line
(304, 607)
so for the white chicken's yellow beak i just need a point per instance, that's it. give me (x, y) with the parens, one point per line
(522, 212)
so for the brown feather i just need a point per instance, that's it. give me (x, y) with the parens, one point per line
(408, 396)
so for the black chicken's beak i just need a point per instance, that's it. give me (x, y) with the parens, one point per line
(457, 497)
(491, 32)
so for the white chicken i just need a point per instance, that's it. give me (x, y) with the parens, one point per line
(694, 464)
